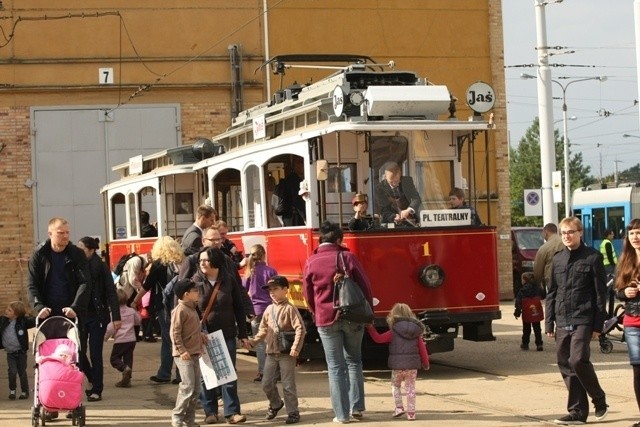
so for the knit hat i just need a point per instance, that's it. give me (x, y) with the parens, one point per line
(277, 281)
(182, 287)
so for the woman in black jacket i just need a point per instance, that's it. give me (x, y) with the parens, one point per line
(103, 307)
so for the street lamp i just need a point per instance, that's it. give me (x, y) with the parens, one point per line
(628, 135)
(567, 180)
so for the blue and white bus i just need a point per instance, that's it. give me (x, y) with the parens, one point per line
(602, 208)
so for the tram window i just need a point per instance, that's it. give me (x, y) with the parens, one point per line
(254, 199)
(615, 221)
(598, 223)
(118, 217)
(133, 215)
(342, 179)
(227, 198)
(434, 181)
(184, 204)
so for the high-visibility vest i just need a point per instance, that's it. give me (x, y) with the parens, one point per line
(603, 251)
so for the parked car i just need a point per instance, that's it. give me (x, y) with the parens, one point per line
(525, 242)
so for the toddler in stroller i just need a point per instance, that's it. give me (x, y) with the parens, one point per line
(58, 381)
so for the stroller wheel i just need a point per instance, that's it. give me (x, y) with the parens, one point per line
(42, 417)
(81, 416)
(35, 417)
(606, 346)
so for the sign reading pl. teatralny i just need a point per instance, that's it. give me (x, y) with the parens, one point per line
(445, 217)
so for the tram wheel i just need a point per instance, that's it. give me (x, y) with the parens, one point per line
(606, 346)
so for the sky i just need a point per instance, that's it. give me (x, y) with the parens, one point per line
(602, 35)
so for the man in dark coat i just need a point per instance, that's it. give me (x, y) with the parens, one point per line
(192, 238)
(397, 197)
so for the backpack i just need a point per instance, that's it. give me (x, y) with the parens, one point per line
(168, 296)
(121, 263)
(532, 309)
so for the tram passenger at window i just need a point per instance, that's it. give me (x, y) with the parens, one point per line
(456, 199)
(397, 197)
(361, 220)
(295, 213)
(146, 229)
(192, 238)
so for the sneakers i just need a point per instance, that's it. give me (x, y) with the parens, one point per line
(571, 419)
(258, 378)
(211, 419)
(411, 416)
(356, 414)
(236, 419)
(336, 420)
(292, 418)
(273, 412)
(24, 395)
(94, 397)
(601, 411)
(524, 347)
(399, 411)
(12, 395)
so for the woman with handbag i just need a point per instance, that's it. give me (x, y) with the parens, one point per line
(341, 338)
(220, 302)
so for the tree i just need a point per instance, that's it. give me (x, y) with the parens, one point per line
(525, 172)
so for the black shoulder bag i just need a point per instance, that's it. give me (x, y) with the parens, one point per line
(348, 298)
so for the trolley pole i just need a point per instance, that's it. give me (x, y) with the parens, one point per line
(545, 114)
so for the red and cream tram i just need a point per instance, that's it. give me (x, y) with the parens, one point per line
(342, 129)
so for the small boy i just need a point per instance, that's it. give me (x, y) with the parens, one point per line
(15, 340)
(186, 344)
(280, 316)
(528, 303)
(124, 339)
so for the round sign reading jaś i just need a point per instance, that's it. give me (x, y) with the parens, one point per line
(480, 97)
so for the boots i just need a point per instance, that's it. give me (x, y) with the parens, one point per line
(126, 378)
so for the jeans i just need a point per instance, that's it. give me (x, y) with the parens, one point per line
(93, 332)
(17, 364)
(260, 348)
(632, 337)
(229, 391)
(188, 391)
(166, 359)
(342, 342)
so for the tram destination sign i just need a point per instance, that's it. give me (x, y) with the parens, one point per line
(445, 217)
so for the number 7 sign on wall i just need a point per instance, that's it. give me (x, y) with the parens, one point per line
(105, 76)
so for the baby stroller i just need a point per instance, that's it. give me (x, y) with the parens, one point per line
(615, 315)
(58, 385)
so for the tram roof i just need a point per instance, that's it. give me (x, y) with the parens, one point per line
(159, 172)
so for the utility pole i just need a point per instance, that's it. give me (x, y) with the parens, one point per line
(598, 145)
(545, 114)
(615, 171)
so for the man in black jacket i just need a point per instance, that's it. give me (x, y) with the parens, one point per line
(59, 278)
(58, 275)
(576, 307)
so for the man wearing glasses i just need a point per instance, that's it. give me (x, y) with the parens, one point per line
(576, 308)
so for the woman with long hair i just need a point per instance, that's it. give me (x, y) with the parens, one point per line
(102, 304)
(219, 290)
(167, 256)
(627, 282)
(257, 274)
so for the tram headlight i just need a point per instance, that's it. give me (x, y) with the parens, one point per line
(431, 276)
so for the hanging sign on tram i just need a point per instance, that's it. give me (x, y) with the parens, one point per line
(259, 127)
(445, 217)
